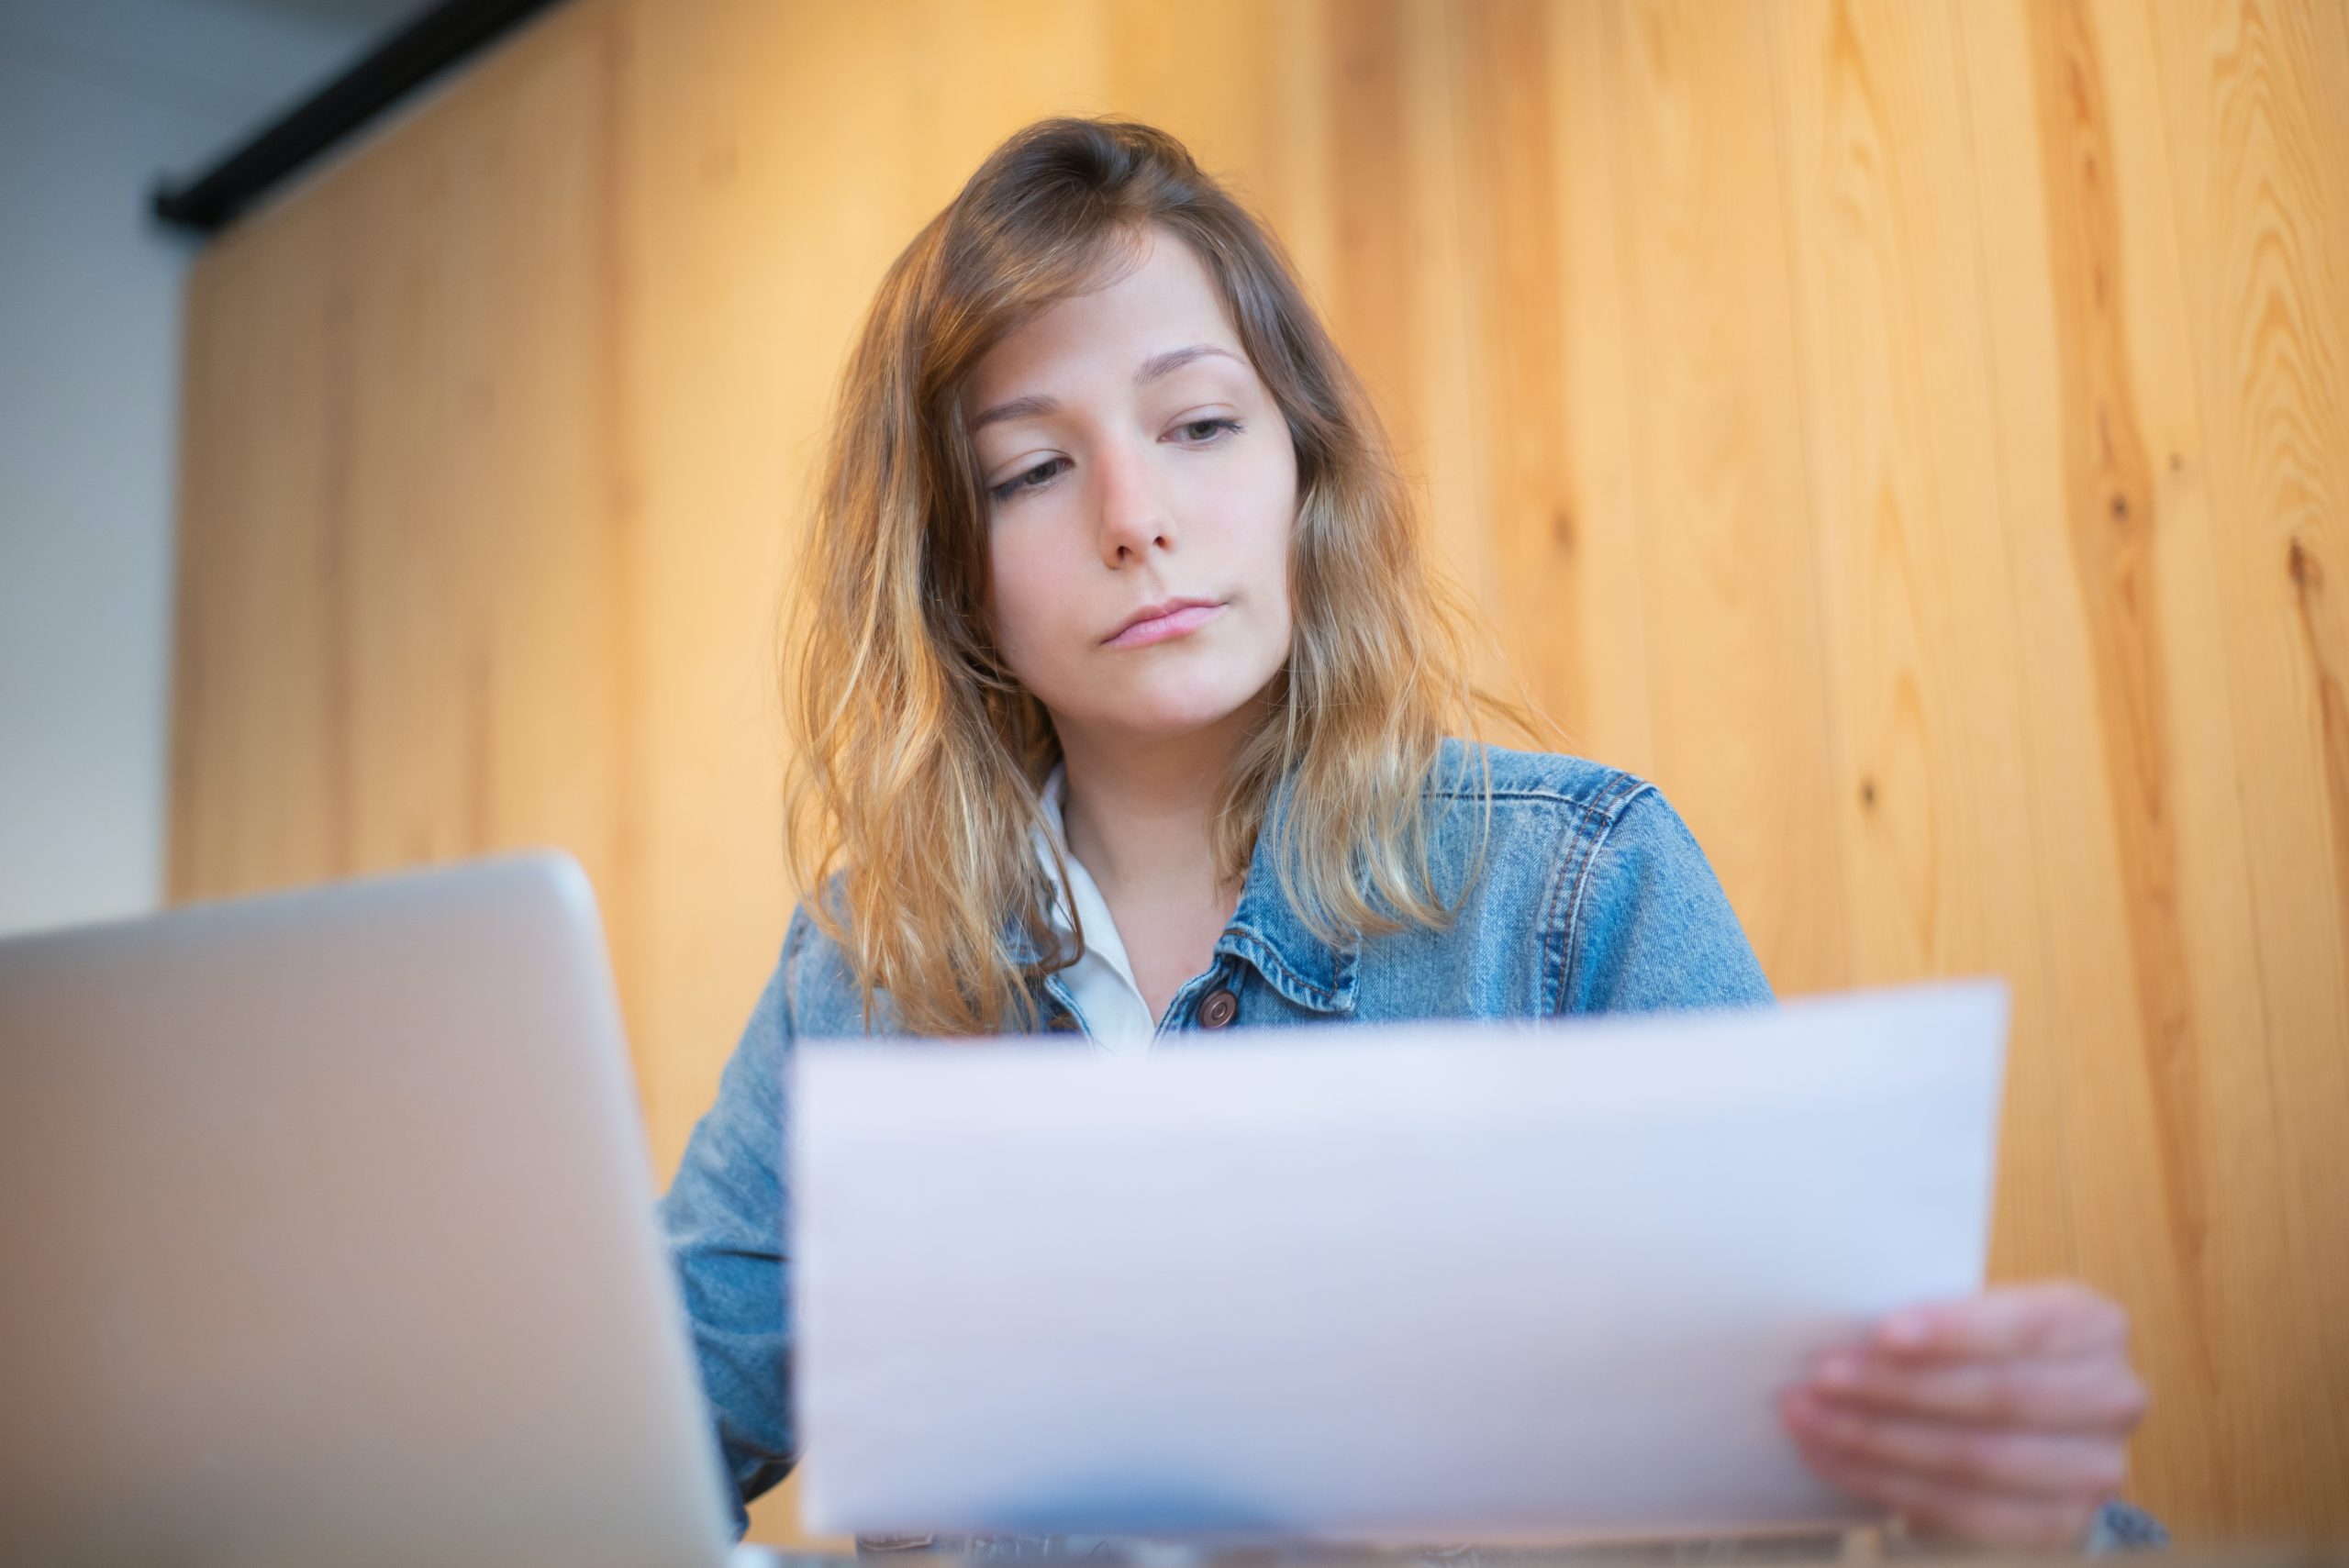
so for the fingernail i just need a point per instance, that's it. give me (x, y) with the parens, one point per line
(1840, 1370)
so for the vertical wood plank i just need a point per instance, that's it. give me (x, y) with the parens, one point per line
(2255, 94)
(2102, 437)
(1605, 529)
(1922, 660)
(1732, 598)
(1507, 191)
(258, 790)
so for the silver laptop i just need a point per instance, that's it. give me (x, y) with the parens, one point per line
(327, 1235)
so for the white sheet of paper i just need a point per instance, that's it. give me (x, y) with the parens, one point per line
(1423, 1283)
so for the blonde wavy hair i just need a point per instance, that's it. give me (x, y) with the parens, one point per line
(913, 783)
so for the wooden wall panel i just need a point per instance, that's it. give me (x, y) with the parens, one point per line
(1731, 586)
(2256, 102)
(1914, 432)
(1894, 385)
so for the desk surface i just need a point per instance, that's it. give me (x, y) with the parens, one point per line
(1781, 1550)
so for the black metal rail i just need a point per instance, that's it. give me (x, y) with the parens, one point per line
(406, 58)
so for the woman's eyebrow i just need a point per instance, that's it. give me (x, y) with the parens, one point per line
(1174, 360)
(1152, 369)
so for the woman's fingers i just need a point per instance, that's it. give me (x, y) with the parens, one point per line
(2071, 1394)
(2041, 1464)
(2061, 1317)
(2002, 1418)
(1936, 1508)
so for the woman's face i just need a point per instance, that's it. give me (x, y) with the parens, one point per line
(1141, 487)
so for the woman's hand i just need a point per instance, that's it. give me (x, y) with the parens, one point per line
(2002, 1420)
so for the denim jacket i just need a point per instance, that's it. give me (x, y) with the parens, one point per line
(1593, 897)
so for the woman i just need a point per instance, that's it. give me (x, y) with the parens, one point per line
(1123, 703)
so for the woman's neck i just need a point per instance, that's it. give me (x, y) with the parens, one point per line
(1138, 814)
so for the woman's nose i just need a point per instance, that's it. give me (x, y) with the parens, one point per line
(1133, 517)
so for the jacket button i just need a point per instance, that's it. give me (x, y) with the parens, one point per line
(1219, 1008)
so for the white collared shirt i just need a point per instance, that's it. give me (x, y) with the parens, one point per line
(1108, 1001)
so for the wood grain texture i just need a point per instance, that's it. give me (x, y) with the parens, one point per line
(1894, 382)
(1913, 432)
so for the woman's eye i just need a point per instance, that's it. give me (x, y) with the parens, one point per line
(1204, 433)
(1027, 481)
(1196, 425)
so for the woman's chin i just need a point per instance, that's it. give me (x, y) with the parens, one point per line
(1169, 715)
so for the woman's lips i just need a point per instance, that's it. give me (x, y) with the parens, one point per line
(1158, 629)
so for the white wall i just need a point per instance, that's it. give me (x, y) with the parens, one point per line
(97, 98)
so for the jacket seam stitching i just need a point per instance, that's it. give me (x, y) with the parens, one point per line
(1608, 801)
(795, 940)
(1244, 938)
(1571, 890)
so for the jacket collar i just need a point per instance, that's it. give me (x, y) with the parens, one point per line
(1265, 933)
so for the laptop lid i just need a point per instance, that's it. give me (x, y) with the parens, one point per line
(330, 1238)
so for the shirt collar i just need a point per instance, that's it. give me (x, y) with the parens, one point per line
(1263, 931)
(1050, 832)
